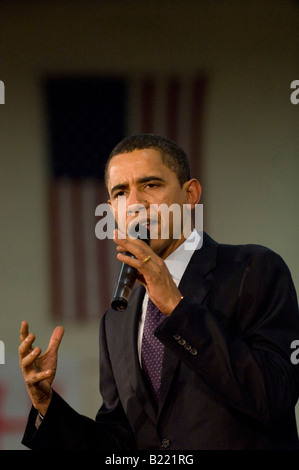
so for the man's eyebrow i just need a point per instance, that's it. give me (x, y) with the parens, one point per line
(145, 179)
(118, 186)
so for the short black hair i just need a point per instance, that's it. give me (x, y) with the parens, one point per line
(172, 155)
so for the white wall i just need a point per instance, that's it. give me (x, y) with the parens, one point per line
(248, 49)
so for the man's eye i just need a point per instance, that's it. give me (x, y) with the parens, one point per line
(150, 185)
(118, 194)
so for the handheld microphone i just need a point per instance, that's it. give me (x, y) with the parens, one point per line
(126, 280)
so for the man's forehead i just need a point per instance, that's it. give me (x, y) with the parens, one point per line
(138, 155)
(138, 161)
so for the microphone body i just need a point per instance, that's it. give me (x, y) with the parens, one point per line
(125, 283)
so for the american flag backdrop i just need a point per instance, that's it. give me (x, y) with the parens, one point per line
(87, 116)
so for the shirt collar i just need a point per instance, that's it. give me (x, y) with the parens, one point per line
(177, 261)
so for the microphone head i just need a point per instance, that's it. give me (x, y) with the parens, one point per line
(127, 274)
(119, 304)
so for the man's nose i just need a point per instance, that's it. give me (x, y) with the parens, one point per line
(134, 208)
(136, 202)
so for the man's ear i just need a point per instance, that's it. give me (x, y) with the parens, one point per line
(193, 192)
(111, 208)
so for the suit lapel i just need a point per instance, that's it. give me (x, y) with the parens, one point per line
(197, 283)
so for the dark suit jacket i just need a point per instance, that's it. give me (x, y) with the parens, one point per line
(227, 380)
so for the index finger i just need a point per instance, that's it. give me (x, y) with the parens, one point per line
(129, 241)
(24, 331)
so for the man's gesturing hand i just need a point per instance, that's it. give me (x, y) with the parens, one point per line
(39, 369)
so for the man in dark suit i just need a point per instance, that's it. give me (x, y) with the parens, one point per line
(216, 373)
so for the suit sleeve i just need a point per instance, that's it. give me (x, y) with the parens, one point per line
(240, 346)
(64, 429)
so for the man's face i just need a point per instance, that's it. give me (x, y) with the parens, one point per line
(143, 178)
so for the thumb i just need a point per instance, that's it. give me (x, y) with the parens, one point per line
(56, 338)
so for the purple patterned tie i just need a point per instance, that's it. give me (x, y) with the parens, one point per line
(152, 350)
